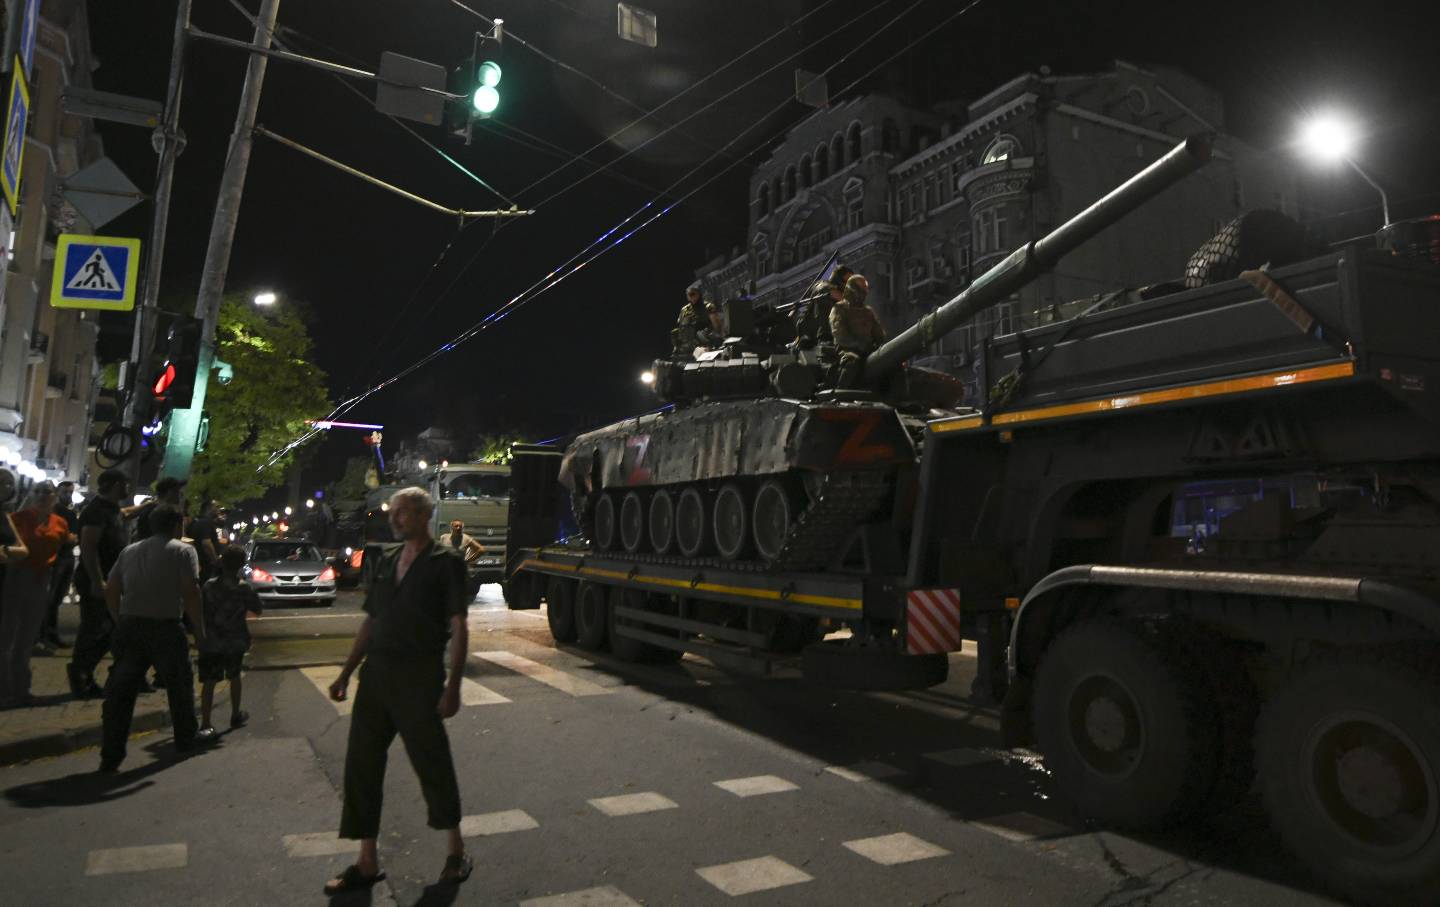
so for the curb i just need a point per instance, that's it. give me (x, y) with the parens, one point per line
(73, 739)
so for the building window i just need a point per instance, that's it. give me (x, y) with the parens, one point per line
(932, 193)
(822, 163)
(902, 205)
(854, 204)
(790, 188)
(912, 198)
(814, 242)
(1006, 319)
(852, 139)
(989, 231)
(806, 171)
(889, 136)
(1002, 149)
(762, 203)
(837, 152)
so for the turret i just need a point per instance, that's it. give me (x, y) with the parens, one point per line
(1027, 263)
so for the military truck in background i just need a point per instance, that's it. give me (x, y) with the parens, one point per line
(1194, 532)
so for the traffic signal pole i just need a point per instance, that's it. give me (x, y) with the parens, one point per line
(185, 423)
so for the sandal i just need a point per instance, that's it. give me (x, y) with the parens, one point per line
(352, 879)
(458, 867)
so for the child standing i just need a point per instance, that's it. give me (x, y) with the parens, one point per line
(227, 638)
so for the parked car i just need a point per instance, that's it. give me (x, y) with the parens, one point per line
(283, 572)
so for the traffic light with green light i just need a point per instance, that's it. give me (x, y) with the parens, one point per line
(486, 99)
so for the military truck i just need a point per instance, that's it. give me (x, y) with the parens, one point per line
(1291, 646)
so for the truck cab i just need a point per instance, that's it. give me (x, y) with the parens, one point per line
(478, 495)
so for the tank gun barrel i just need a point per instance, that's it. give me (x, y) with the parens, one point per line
(1033, 259)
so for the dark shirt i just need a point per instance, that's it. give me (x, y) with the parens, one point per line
(72, 521)
(202, 528)
(105, 514)
(412, 619)
(226, 602)
(142, 529)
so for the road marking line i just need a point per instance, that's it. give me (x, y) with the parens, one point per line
(136, 859)
(318, 844)
(1022, 827)
(633, 804)
(496, 823)
(963, 757)
(472, 693)
(865, 771)
(748, 876)
(565, 683)
(890, 850)
(605, 896)
(324, 675)
(756, 786)
(264, 617)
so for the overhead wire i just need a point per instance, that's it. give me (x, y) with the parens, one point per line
(520, 299)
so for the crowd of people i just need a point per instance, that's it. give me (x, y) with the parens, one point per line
(144, 574)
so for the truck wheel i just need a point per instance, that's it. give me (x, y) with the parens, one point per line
(662, 521)
(692, 523)
(732, 522)
(605, 522)
(592, 616)
(850, 667)
(623, 647)
(560, 608)
(1124, 724)
(632, 522)
(1349, 754)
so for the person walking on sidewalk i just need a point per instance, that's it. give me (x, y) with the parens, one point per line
(64, 570)
(227, 638)
(102, 537)
(152, 583)
(416, 599)
(27, 591)
(12, 550)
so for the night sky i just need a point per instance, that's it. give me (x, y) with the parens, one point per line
(361, 259)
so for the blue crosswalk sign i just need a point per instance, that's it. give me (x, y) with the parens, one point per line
(95, 272)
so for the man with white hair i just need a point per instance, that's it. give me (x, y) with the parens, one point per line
(416, 600)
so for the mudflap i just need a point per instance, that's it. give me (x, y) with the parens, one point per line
(845, 666)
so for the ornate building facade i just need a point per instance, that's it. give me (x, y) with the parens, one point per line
(922, 202)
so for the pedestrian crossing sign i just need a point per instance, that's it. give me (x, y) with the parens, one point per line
(95, 272)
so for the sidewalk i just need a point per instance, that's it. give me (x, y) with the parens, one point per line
(61, 724)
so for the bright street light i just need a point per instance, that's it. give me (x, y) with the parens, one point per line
(309, 503)
(274, 515)
(288, 511)
(265, 299)
(647, 377)
(1330, 138)
(424, 465)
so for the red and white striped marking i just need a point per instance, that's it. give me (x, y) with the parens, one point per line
(932, 619)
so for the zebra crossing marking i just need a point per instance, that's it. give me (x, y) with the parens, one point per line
(633, 804)
(565, 683)
(1022, 827)
(750, 876)
(471, 693)
(318, 844)
(604, 896)
(864, 771)
(136, 859)
(756, 786)
(496, 823)
(891, 850)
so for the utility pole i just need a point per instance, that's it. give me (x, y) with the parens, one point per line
(168, 144)
(185, 424)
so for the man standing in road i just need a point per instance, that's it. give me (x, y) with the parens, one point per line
(415, 600)
(152, 583)
(101, 527)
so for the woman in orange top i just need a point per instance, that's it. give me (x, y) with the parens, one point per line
(26, 585)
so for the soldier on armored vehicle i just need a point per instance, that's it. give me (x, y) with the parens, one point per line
(696, 326)
(856, 328)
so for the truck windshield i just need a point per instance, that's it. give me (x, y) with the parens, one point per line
(475, 485)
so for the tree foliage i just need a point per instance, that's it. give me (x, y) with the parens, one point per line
(494, 448)
(276, 387)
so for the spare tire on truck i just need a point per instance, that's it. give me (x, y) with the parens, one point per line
(1252, 240)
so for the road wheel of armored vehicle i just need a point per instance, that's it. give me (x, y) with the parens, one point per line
(692, 523)
(606, 523)
(560, 608)
(772, 518)
(592, 615)
(732, 522)
(632, 522)
(1349, 754)
(662, 521)
(1125, 724)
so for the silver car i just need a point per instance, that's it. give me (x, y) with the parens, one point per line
(282, 572)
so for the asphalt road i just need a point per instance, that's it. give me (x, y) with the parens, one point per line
(588, 782)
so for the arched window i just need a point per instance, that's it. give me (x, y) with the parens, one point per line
(762, 202)
(837, 152)
(790, 187)
(807, 170)
(1002, 149)
(889, 136)
(822, 162)
(852, 140)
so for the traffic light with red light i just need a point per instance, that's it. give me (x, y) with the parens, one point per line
(174, 383)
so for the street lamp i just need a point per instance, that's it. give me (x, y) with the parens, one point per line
(1330, 139)
(288, 511)
(266, 298)
(647, 377)
(309, 504)
(424, 466)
